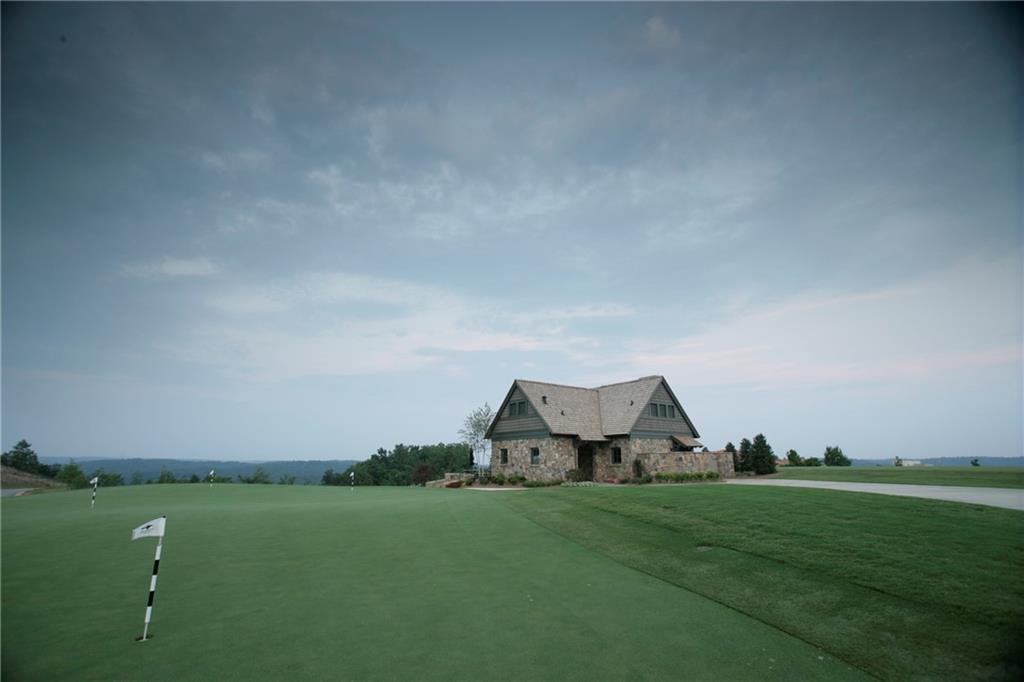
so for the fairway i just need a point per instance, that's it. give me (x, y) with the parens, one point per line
(276, 582)
(985, 477)
(899, 587)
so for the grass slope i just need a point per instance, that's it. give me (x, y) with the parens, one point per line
(987, 477)
(899, 587)
(282, 582)
(14, 478)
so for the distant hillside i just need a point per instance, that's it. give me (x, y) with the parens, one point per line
(304, 471)
(947, 461)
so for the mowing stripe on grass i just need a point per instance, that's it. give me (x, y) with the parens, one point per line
(298, 582)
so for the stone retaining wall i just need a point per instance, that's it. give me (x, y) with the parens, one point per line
(558, 457)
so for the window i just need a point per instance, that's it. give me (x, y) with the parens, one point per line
(534, 455)
(616, 455)
(654, 410)
(517, 408)
(671, 411)
(504, 455)
(662, 411)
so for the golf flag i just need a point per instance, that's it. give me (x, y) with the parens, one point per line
(211, 478)
(94, 481)
(153, 529)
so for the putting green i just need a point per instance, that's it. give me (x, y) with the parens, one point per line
(308, 582)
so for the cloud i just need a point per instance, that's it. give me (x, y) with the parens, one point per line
(172, 267)
(344, 323)
(659, 35)
(923, 329)
(441, 202)
(235, 161)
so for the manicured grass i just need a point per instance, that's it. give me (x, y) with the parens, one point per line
(280, 582)
(988, 477)
(899, 587)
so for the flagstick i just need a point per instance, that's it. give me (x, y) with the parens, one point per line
(152, 587)
(94, 486)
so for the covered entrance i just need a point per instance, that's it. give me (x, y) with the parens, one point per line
(585, 461)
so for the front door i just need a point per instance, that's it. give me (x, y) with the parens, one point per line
(585, 461)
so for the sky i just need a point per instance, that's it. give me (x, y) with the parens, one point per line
(305, 231)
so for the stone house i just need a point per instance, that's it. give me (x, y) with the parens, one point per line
(544, 431)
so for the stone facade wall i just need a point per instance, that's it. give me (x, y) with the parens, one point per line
(557, 456)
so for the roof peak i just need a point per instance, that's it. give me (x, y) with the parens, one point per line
(585, 388)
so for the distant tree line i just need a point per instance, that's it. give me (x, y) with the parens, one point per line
(405, 465)
(833, 457)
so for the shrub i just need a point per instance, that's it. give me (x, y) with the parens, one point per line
(576, 475)
(812, 462)
(498, 479)
(794, 458)
(712, 476)
(540, 483)
(579, 484)
(638, 468)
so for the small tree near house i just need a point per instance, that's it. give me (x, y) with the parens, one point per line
(472, 433)
(794, 458)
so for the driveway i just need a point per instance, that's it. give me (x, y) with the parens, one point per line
(1008, 498)
(11, 492)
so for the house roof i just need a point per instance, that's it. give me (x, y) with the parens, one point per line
(592, 414)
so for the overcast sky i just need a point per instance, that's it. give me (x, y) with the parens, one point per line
(307, 231)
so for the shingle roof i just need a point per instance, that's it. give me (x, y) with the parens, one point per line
(590, 413)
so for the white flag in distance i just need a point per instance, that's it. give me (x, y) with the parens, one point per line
(211, 472)
(153, 529)
(94, 481)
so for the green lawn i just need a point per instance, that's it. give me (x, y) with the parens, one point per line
(280, 582)
(901, 588)
(988, 477)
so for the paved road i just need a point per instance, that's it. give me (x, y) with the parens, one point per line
(11, 492)
(1007, 498)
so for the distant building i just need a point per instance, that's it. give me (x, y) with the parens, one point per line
(543, 431)
(907, 462)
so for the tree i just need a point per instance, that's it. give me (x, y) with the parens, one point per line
(195, 479)
(472, 432)
(422, 474)
(975, 462)
(762, 459)
(834, 457)
(136, 478)
(794, 458)
(812, 462)
(166, 477)
(286, 480)
(742, 460)
(108, 480)
(72, 476)
(23, 458)
(898, 462)
(260, 476)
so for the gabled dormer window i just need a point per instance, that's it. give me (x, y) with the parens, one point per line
(518, 408)
(663, 410)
